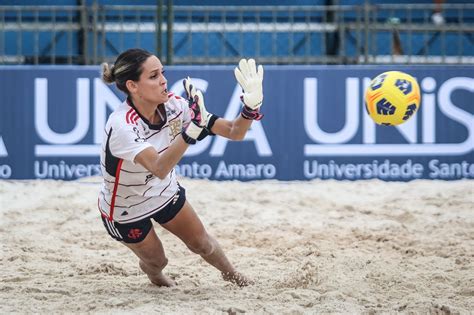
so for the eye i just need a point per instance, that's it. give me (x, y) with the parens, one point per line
(154, 76)
(163, 72)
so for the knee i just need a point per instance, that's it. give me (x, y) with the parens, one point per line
(203, 245)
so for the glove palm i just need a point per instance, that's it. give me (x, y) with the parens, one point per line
(196, 103)
(251, 82)
(199, 115)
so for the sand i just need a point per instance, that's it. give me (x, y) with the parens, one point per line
(312, 247)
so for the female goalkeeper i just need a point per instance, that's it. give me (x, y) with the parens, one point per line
(144, 139)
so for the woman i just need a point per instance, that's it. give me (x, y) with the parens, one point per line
(144, 139)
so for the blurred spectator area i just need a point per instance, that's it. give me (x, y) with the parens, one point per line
(221, 32)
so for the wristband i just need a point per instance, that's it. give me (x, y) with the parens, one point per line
(211, 119)
(187, 138)
(251, 114)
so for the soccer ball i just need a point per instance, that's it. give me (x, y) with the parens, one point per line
(392, 98)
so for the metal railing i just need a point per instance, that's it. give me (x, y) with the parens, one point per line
(351, 34)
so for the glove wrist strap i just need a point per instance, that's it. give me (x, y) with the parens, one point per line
(191, 133)
(251, 114)
(187, 138)
(211, 119)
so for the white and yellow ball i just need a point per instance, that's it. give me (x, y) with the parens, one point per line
(392, 98)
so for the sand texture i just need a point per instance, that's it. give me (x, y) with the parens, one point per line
(312, 247)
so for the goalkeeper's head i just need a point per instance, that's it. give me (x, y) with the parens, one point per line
(139, 74)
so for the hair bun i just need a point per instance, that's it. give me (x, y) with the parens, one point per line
(107, 73)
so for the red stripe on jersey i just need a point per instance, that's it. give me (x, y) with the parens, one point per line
(127, 116)
(114, 194)
(134, 117)
(170, 94)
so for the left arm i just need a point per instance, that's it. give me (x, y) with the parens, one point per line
(233, 130)
(250, 78)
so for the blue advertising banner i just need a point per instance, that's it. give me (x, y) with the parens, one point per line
(315, 124)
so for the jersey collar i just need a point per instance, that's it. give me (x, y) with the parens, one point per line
(150, 125)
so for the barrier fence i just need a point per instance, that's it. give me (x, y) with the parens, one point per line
(342, 34)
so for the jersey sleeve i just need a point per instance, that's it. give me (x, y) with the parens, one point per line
(126, 142)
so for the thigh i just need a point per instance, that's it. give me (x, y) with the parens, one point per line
(186, 225)
(134, 232)
(150, 250)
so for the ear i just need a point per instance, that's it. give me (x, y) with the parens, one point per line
(131, 86)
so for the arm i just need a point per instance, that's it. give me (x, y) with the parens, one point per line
(251, 82)
(234, 130)
(161, 164)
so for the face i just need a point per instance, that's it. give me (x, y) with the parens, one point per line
(152, 85)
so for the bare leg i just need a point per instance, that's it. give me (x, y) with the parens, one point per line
(152, 259)
(189, 228)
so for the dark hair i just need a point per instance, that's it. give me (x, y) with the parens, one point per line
(128, 66)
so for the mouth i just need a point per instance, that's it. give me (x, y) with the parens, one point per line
(165, 91)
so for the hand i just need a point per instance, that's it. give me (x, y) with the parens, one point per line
(198, 112)
(196, 103)
(250, 81)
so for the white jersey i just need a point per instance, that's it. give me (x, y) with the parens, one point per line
(130, 192)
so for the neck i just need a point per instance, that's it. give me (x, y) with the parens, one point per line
(148, 110)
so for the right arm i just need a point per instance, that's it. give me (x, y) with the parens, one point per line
(161, 164)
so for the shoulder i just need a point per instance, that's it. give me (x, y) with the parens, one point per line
(175, 105)
(176, 100)
(124, 114)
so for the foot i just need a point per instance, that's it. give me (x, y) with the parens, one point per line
(159, 278)
(237, 278)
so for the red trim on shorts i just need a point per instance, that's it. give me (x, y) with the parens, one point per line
(117, 178)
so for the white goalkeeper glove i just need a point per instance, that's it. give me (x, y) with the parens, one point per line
(251, 82)
(198, 112)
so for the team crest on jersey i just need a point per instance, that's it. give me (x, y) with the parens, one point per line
(175, 127)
